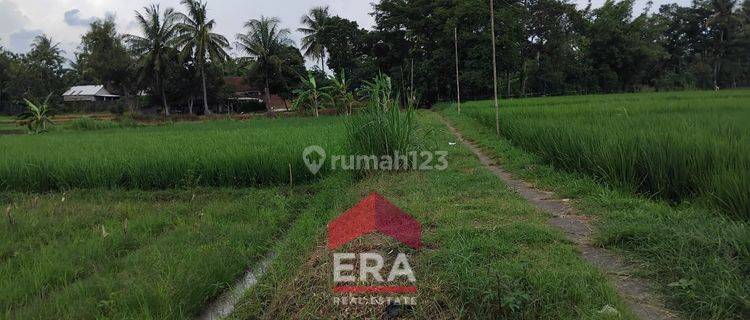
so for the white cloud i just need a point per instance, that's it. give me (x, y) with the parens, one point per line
(21, 40)
(73, 18)
(11, 20)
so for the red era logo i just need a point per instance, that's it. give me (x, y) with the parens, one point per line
(374, 213)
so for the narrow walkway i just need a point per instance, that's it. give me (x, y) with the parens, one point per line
(638, 293)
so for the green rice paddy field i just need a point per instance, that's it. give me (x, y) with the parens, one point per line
(155, 222)
(664, 177)
(220, 153)
(681, 146)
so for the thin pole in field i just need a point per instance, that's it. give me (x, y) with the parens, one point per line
(412, 80)
(494, 67)
(458, 80)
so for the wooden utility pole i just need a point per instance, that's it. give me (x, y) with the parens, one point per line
(458, 80)
(494, 67)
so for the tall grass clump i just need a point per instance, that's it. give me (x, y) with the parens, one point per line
(382, 128)
(689, 146)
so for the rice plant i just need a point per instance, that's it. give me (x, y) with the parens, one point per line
(687, 146)
(218, 153)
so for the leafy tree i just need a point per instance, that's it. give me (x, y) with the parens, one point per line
(196, 40)
(103, 58)
(316, 23)
(267, 43)
(5, 76)
(618, 50)
(42, 70)
(723, 24)
(346, 44)
(554, 62)
(153, 47)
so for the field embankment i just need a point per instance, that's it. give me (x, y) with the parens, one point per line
(220, 153)
(680, 146)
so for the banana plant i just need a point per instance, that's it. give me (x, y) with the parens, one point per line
(342, 98)
(310, 95)
(37, 117)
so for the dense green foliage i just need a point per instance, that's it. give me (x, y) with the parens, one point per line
(223, 153)
(198, 43)
(544, 47)
(103, 58)
(33, 76)
(676, 146)
(548, 47)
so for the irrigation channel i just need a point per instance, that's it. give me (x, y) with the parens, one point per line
(224, 304)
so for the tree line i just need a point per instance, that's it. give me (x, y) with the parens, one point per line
(544, 47)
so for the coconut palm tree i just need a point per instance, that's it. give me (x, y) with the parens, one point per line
(158, 33)
(313, 42)
(197, 41)
(264, 41)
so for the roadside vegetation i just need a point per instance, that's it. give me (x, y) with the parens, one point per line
(696, 251)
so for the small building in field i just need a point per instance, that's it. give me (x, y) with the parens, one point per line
(89, 93)
(242, 91)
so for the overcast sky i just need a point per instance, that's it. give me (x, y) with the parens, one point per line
(66, 20)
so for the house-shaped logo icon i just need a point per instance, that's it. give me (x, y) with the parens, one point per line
(374, 213)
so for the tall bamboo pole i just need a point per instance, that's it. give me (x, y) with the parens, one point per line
(494, 67)
(411, 94)
(458, 80)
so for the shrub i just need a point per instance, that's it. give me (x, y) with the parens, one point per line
(381, 128)
(89, 124)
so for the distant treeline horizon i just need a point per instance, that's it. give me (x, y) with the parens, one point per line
(544, 47)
